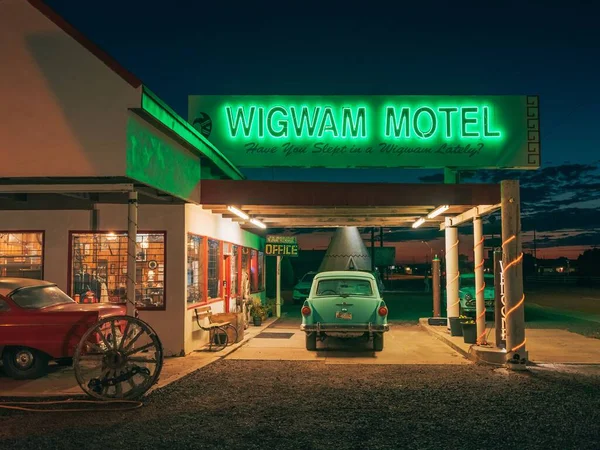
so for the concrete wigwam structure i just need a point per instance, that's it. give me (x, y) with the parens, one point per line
(346, 251)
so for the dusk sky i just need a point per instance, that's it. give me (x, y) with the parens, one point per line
(183, 48)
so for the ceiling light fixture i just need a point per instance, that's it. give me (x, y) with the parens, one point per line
(258, 223)
(238, 212)
(436, 212)
(418, 223)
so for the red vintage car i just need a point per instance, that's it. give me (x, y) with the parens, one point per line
(40, 323)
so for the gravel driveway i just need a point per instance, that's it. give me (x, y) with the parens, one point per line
(302, 405)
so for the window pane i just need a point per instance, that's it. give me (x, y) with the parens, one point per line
(234, 271)
(254, 270)
(195, 270)
(214, 268)
(99, 268)
(21, 255)
(344, 287)
(40, 297)
(261, 271)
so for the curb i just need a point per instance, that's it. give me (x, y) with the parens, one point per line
(423, 324)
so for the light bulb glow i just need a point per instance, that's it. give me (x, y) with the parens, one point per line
(238, 212)
(439, 210)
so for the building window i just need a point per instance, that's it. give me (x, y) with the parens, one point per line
(195, 269)
(234, 270)
(253, 270)
(214, 268)
(99, 268)
(261, 271)
(22, 254)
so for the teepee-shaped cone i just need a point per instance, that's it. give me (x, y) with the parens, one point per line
(346, 251)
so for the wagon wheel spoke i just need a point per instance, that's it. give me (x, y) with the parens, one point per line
(130, 344)
(141, 349)
(140, 359)
(124, 336)
(101, 334)
(118, 390)
(113, 332)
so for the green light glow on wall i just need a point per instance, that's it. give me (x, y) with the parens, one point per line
(369, 131)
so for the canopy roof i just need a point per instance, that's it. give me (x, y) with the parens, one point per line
(286, 204)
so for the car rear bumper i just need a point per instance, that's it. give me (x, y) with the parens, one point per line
(340, 328)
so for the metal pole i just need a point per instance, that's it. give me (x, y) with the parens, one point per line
(278, 300)
(372, 249)
(499, 309)
(478, 240)
(452, 274)
(512, 259)
(435, 280)
(132, 228)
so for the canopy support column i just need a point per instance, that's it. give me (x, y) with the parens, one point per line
(452, 274)
(132, 229)
(478, 240)
(512, 266)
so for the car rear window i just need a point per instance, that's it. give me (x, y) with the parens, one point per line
(40, 297)
(343, 287)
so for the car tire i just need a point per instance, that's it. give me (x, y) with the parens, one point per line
(23, 363)
(378, 342)
(311, 341)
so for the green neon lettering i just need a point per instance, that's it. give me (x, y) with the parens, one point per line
(325, 126)
(424, 134)
(281, 123)
(240, 117)
(469, 120)
(261, 122)
(361, 122)
(305, 121)
(448, 111)
(486, 124)
(391, 122)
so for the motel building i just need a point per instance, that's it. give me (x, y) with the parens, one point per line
(100, 178)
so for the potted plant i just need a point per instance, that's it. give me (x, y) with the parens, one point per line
(469, 330)
(455, 325)
(258, 312)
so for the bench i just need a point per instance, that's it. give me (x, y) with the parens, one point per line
(218, 337)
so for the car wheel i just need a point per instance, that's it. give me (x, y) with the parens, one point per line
(378, 342)
(23, 363)
(311, 341)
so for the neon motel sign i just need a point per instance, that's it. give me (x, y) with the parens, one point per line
(404, 122)
(371, 131)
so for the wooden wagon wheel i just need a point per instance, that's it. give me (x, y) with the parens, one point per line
(120, 357)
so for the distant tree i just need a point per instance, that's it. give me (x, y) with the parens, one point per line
(588, 263)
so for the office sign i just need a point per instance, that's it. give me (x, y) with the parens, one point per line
(371, 131)
(281, 246)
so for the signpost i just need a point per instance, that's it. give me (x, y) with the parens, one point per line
(371, 131)
(280, 246)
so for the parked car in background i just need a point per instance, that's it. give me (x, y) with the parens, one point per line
(467, 291)
(302, 288)
(344, 304)
(40, 323)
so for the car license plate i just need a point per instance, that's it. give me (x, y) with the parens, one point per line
(343, 315)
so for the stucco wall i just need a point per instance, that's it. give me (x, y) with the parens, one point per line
(63, 111)
(57, 224)
(202, 222)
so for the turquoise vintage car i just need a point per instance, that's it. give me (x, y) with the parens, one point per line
(466, 293)
(344, 304)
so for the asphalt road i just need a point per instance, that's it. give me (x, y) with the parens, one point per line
(309, 405)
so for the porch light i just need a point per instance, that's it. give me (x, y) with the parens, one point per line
(238, 212)
(436, 212)
(258, 223)
(418, 223)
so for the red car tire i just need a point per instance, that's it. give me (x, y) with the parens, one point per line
(23, 363)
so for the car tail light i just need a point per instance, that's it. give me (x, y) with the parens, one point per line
(383, 311)
(305, 311)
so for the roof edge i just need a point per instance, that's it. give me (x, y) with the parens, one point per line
(93, 48)
(159, 110)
